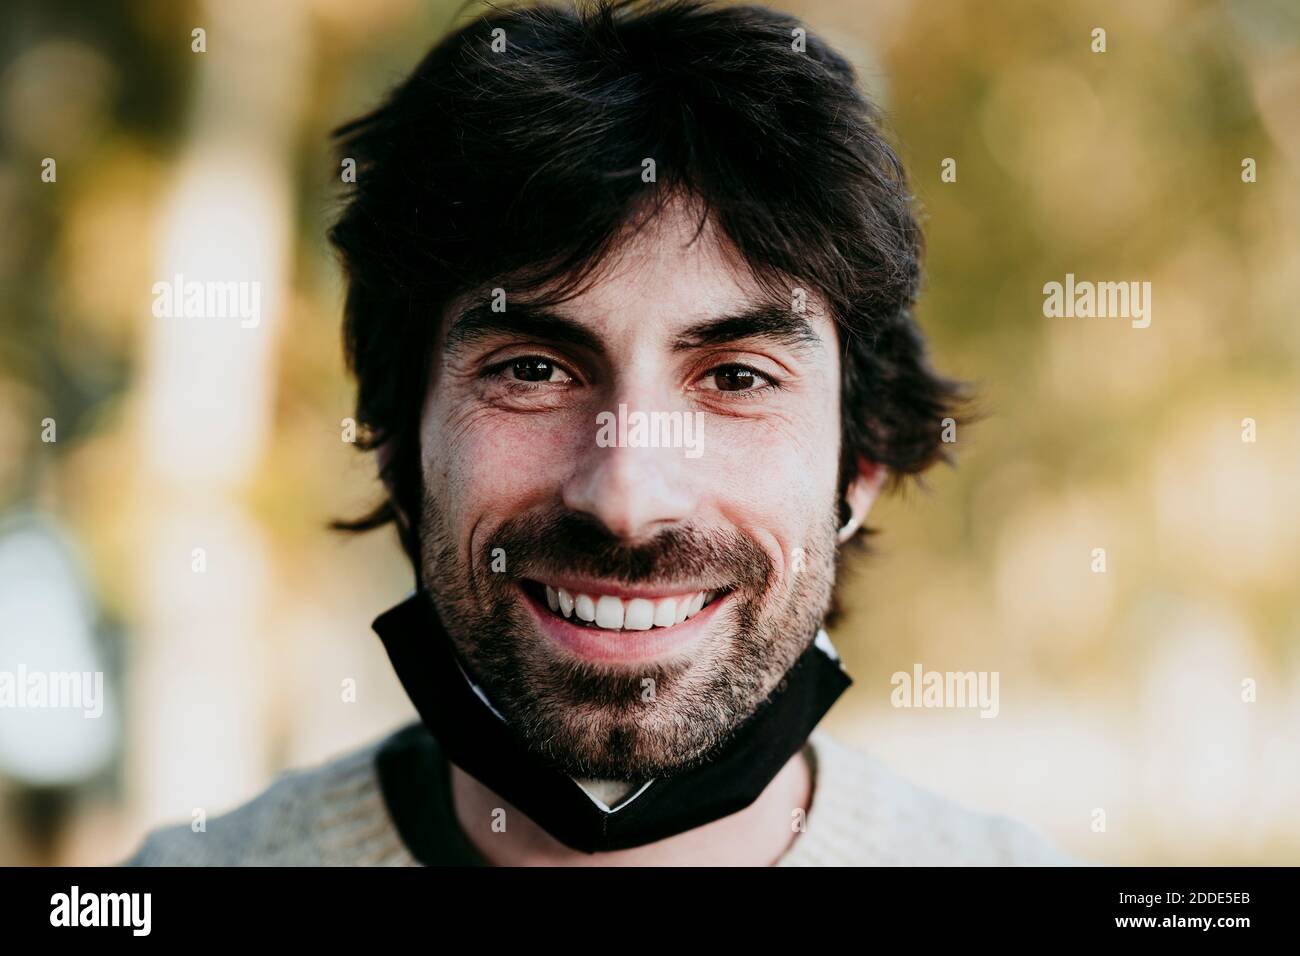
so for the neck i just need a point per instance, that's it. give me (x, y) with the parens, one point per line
(759, 835)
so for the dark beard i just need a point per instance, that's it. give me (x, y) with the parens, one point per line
(589, 720)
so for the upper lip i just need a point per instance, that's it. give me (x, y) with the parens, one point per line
(617, 589)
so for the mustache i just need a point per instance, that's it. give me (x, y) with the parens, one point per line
(566, 542)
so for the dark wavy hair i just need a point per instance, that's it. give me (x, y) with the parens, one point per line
(526, 162)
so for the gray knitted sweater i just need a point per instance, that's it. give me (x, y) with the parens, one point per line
(335, 815)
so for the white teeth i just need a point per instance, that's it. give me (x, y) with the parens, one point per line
(683, 608)
(665, 612)
(609, 612)
(633, 614)
(640, 615)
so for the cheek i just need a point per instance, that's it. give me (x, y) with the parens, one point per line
(486, 464)
(778, 482)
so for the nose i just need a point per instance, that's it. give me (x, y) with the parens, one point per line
(633, 491)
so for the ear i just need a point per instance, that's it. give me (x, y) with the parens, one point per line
(861, 495)
(384, 457)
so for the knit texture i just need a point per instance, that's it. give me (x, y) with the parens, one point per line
(861, 815)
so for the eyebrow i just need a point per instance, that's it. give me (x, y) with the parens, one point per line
(770, 322)
(773, 323)
(481, 322)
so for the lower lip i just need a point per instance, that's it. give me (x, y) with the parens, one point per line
(622, 647)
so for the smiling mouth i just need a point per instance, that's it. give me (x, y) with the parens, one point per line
(608, 612)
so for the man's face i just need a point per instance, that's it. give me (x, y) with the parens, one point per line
(624, 606)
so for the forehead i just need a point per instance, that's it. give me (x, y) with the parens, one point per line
(668, 276)
(669, 267)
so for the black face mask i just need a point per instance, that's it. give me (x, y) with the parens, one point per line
(478, 741)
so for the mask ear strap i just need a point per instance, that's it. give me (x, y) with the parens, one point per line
(846, 515)
(851, 522)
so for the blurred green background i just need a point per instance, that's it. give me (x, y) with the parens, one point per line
(1121, 692)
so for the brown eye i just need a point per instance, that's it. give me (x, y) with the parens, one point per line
(734, 378)
(533, 369)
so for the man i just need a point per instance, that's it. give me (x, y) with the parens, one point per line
(629, 311)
